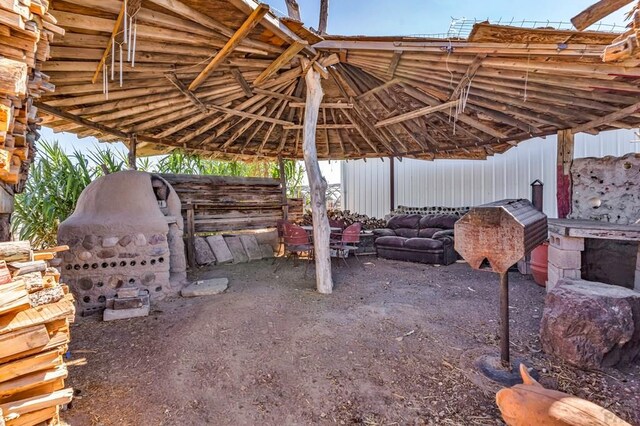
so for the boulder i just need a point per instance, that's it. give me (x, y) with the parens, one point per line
(204, 255)
(591, 325)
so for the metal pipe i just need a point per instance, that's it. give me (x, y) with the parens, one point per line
(504, 319)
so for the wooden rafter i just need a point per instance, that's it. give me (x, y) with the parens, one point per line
(281, 60)
(614, 116)
(395, 60)
(242, 32)
(237, 74)
(415, 114)
(181, 87)
(596, 12)
(336, 105)
(107, 50)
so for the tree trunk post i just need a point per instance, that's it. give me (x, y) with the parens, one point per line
(133, 142)
(317, 184)
(293, 10)
(283, 185)
(324, 15)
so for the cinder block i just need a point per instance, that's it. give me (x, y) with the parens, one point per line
(552, 279)
(566, 243)
(116, 314)
(566, 259)
(574, 274)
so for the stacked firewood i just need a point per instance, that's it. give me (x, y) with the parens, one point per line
(626, 45)
(26, 29)
(35, 312)
(348, 218)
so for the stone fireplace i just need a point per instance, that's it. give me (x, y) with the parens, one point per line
(126, 231)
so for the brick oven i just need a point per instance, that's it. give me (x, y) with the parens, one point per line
(126, 231)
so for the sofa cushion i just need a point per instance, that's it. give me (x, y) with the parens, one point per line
(404, 221)
(428, 232)
(443, 221)
(384, 232)
(406, 232)
(443, 233)
(422, 244)
(390, 241)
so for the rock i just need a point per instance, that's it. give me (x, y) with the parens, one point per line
(110, 241)
(251, 246)
(220, 249)
(205, 288)
(107, 253)
(90, 241)
(84, 255)
(267, 251)
(140, 240)
(116, 314)
(125, 241)
(591, 325)
(157, 239)
(237, 249)
(204, 255)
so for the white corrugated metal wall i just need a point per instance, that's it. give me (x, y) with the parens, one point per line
(455, 183)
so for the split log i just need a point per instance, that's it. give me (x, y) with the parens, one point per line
(38, 362)
(15, 251)
(13, 296)
(46, 296)
(13, 77)
(29, 405)
(317, 183)
(21, 268)
(23, 340)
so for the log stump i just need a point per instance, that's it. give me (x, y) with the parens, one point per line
(591, 325)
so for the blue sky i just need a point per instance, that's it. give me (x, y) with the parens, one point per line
(404, 17)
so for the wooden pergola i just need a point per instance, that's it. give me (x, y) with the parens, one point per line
(231, 79)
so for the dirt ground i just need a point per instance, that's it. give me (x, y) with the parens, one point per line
(389, 346)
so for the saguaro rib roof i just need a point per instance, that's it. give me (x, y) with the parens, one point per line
(384, 96)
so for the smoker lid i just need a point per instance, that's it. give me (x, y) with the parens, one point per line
(116, 204)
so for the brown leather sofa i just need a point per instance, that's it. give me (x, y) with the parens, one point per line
(418, 238)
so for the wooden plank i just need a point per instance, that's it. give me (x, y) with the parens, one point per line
(31, 380)
(583, 228)
(395, 60)
(38, 362)
(249, 115)
(242, 32)
(36, 403)
(337, 105)
(596, 12)
(35, 316)
(607, 119)
(414, 114)
(564, 160)
(280, 61)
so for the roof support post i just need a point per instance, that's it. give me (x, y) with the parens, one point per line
(563, 164)
(317, 183)
(283, 186)
(133, 144)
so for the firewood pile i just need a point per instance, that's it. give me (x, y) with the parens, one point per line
(26, 30)
(348, 218)
(35, 312)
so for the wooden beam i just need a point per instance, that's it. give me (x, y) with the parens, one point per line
(324, 15)
(395, 60)
(132, 157)
(607, 119)
(249, 115)
(564, 160)
(376, 89)
(277, 95)
(293, 10)
(237, 74)
(466, 78)
(81, 121)
(281, 60)
(596, 12)
(334, 105)
(242, 32)
(114, 32)
(181, 87)
(322, 126)
(317, 184)
(415, 114)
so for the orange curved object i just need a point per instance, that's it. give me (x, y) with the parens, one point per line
(531, 404)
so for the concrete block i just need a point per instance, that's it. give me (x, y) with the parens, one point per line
(204, 255)
(220, 249)
(574, 274)
(251, 246)
(131, 302)
(116, 314)
(205, 287)
(237, 249)
(565, 258)
(128, 292)
(267, 251)
(566, 243)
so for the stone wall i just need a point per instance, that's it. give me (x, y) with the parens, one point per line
(606, 189)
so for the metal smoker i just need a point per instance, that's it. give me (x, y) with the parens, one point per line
(501, 232)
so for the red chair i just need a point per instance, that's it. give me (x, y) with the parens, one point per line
(296, 241)
(348, 241)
